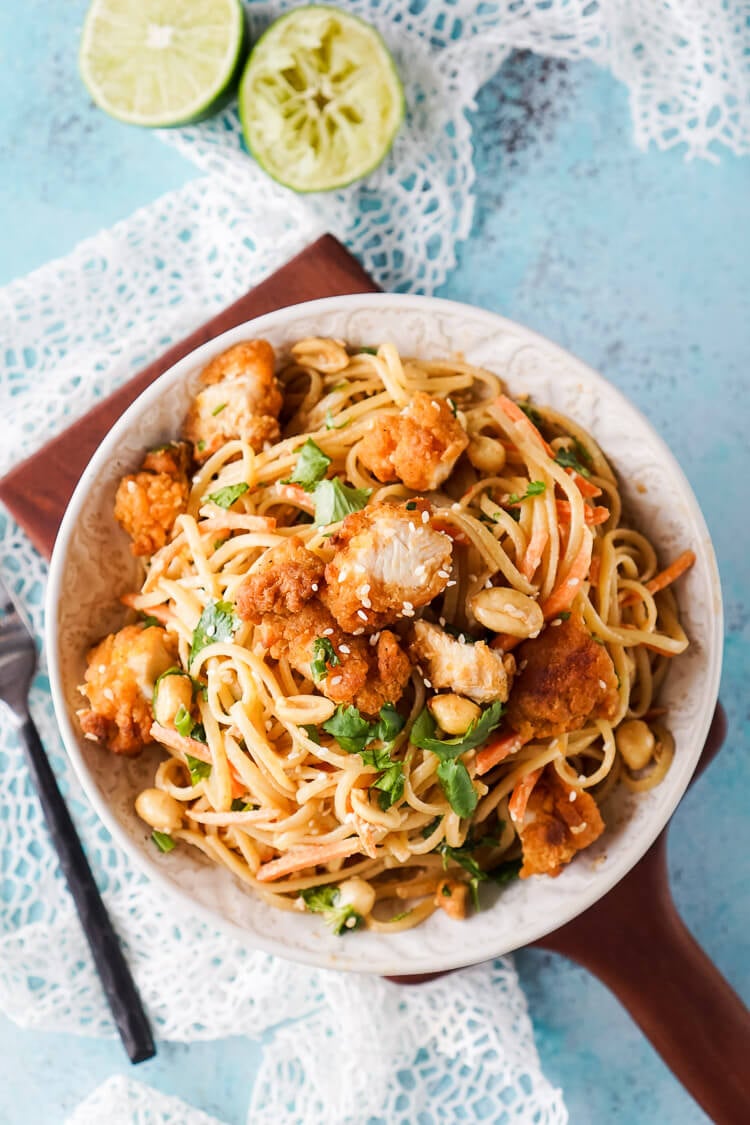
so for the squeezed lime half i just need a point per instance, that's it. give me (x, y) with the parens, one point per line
(162, 62)
(320, 99)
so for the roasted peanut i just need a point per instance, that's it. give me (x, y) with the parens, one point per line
(452, 897)
(453, 713)
(486, 454)
(636, 743)
(171, 693)
(159, 810)
(357, 893)
(508, 611)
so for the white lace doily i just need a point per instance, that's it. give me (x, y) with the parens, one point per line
(77, 327)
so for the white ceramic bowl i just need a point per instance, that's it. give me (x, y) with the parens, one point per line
(92, 565)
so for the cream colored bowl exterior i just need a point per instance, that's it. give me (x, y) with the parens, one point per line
(92, 565)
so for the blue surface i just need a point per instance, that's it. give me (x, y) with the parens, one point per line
(637, 263)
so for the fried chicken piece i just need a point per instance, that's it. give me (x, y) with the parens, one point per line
(565, 678)
(240, 399)
(475, 670)
(147, 503)
(288, 577)
(419, 446)
(367, 676)
(389, 561)
(556, 827)
(120, 677)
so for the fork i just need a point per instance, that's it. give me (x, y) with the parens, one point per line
(18, 660)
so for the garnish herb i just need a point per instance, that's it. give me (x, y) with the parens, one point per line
(350, 729)
(453, 406)
(324, 655)
(335, 500)
(331, 425)
(183, 722)
(149, 620)
(532, 414)
(367, 351)
(163, 841)
(218, 409)
(218, 622)
(325, 901)
(239, 805)
(198, 769)
(353, 733)
(200, 446)
(564, 615)
(312, 732)
(452, 774)
(504, 873)
(411, 506)
(312, 465)
(574, 458)
(225, 497)
(535, 488)
(173, 671)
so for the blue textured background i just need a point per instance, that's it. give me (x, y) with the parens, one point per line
(637, 263)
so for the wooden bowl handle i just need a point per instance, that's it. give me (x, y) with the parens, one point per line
(636, 943)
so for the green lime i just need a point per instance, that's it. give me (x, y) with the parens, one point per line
(162, 62)
(320, 99)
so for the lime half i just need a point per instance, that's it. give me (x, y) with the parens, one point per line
(162, 62)
(320, 99)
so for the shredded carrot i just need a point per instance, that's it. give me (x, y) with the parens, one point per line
(563, 596)
(505, 642)
(585, 487)
(519, 798)
(160, 612)
(237, 521)
(496, 750)
(660, 581)
(300, 858)
(176, 741)
(595, 568)
(513, 411)
(537, 543)
(592, 516)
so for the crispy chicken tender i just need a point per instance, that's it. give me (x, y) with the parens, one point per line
(147, 503)
(367, 676)
(288, 577)
(389, 561)
(120, 677)
(474, 670)
(565, 679)
(419, 446)
(240, 399)
(556, 827)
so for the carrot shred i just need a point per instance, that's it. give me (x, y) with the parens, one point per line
(505, 642)
(563, 596)
(519, 798)
(160, 612)
(592, 516)
(537, 543)
(176, 741)
(513, 411)
(496, 750)
(585, 487)
(667, 576)
(595, 568)
(300, 858)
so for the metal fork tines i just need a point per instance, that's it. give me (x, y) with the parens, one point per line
(18, 660)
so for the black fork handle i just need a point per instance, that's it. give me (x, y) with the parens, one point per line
(119, 987)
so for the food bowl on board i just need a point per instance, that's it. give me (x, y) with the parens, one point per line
(92, 565)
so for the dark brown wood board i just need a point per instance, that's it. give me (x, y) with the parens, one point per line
(36, 492)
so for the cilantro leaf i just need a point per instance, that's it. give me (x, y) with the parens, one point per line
(218, 622)
(391, 785)
(423, 733)
(239, 804)
(505, 872)
(325, 901)
(389, 723)
(532, 414)
(225, 497)
(163, 841)
(200, 446)
(312, 465)
(198, 769)
(334, 500)
(149, 620)
(349, 728)
(218, 409)
(456, 784)
(367, 351)
(331, 425)
(571, 459)
(535, 488)
(183, 722)
(324, 654)
(312, 732)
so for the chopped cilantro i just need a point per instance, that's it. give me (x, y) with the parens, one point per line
(331, 425)
(367, 351)
(325, 901)
(389, 723)
(353, 733)
(463, 637)
(535, 488)
(532, 414)
(452, 405)
(240, 805)
(183, 722)
(200, 446)
(225, 497)
(411, 506)
(218, 622)
(312, 465)
(324, 655)
(400, 917)
(430, 828)
(446, 892)
(149, 621)
(312, 732)
(349, 728)
(163, 841)
(218, 409)
(456, 784)
(452, 774)
(505, 872)
(334, 500)
(220, 542)
(199, 732)
(564, 615)
(571, 459)
(198, 769)
(391, 785)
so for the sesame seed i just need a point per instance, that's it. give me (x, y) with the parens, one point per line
(472, 578)
(443, 574)
(573, 795)
(367, 603)
(420, 570)
(268, 724)
(407, 612)
(461, 639)
(488, 584)
(357, 632)
(132, 486)
(602, 685)
(374, 639)
(425, 517)
(108, 693)
(343, 573)
(345, 649)
(428, 683)
(336, 679)
(574, 581)
(441, 621)
(436, 405)
(557, 621)
(328, 632)
(451, 584)
(455, 507)
(361, 613)
(408, 605)
(102, 668)
(359, 568)
(314, 587)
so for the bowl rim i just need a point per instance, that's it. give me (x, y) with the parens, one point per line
(582, 900)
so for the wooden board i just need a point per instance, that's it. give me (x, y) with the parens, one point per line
(36, 492)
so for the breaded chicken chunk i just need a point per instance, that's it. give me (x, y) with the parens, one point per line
(240, 399)
(556, 827)
(147, 503)
(120, 677)
(355, 671)
(565, 677)
(419, 446)
(288, 577)
(474, 670)
(389, 561)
